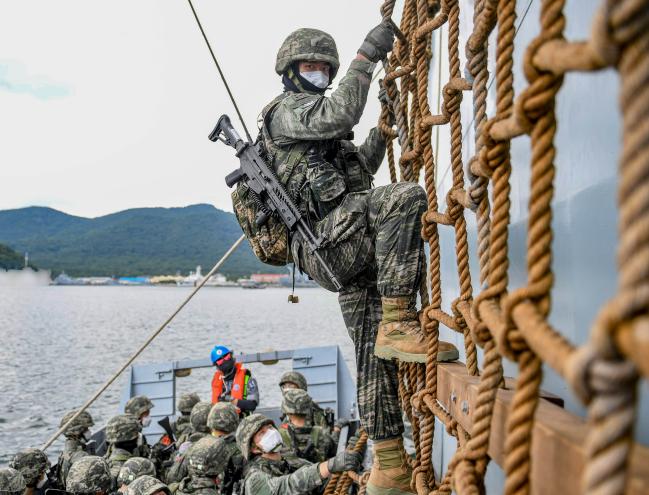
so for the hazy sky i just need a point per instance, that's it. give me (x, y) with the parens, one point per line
(107, 105)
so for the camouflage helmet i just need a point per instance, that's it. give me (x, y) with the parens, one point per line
(307, 44)
(79, 425)
(89, 474)
(11, 482)
(207, 457)
(146, 485)
(122, 428)
(138, 405)
(247, 429)
(31, 463)
(223, 417)
(187, 402)
(296, 401)
(133, 468)
(198, 417)
(294, 377)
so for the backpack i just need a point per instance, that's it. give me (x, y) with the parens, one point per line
(270, 242)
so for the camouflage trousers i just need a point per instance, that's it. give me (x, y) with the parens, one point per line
(374, 247)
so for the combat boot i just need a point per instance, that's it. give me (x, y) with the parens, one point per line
(400, 336)
(391, 473)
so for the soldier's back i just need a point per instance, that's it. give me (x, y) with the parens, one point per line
(197, 486)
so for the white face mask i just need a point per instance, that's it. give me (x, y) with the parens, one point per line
(318, 78)
(146, 421)
(87, 435)
(42, 482)
(271, 441)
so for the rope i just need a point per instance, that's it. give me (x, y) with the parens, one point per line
(148, 341)
(218, 67)
(604, 372)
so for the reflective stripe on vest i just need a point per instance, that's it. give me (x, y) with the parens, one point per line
(239, 384)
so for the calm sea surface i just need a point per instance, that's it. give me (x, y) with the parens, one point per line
(59, 344)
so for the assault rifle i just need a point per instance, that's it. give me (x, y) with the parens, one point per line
(262, 181)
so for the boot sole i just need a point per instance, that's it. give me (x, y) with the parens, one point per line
(388, 353)
(377, 490)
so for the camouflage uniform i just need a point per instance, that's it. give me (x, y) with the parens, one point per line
(11, 482)
(137, 406)
(146, 485)
(75, 442)
(264, 476)
(268, 477)
(312, 443)
(133, 468)
(198, 430)
(371, 236)
(316, 416)
(90, 474)
(224, 418)
(32, 464)
(120, 429)
(206, 461)
(185, 405)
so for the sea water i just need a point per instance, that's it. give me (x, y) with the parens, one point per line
(58, 345)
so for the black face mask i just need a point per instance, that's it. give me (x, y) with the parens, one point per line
(227, 368)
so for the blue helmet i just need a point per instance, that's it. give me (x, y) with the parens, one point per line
(218, 352)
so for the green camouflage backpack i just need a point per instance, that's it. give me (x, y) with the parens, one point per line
(269, 242)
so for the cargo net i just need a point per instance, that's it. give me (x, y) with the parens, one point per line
(604, 372)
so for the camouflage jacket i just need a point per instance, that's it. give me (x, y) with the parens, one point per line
(235, 463)
(266, 477)
(197, 486)
(73, 449)
(306, 140)
(179, 468)
(116, 460)
(312, 443)
(180, 426)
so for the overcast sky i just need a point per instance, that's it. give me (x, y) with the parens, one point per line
(107, 105)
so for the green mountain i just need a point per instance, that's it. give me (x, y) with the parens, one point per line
(10, 259)
(141, 241)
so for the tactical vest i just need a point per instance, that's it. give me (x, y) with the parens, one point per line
(302, 443)
(316, 174)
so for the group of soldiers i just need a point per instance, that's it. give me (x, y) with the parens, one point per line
(211, 449)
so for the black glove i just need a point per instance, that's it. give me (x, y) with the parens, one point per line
(378, 42)
(344, 461)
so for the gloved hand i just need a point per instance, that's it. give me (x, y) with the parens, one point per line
(378, 42)
(344, 461)
(341, 423)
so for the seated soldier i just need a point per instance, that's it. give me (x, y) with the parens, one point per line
(301, 440)
(206, 461)
(89, 475)
(33, 464)
(268, 473)
(77, 435)
(222, 422)
(132, 469)
(185, 405)
(317, 416)
(122, 435)
(140, 406)
(147, 485)
(11, 482)
(198, 429)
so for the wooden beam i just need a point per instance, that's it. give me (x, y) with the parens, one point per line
(558, 455)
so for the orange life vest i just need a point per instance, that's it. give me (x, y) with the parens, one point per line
(238, 384)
